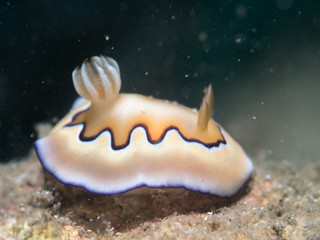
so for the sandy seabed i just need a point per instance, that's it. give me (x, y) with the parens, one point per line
(281, 201)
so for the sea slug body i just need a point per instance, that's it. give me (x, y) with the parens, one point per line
(113, 142)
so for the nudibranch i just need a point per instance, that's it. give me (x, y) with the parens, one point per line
(113, 142)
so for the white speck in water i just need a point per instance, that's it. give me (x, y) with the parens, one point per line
(186, 75)
(238, 40)
(146, 73)
(107, 37)
(203, 37)
(254, 117)
(241, 11)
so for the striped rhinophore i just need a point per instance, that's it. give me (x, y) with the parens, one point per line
(98, 79)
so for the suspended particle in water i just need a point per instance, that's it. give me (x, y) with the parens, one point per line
(241, 11)
(203, 37)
